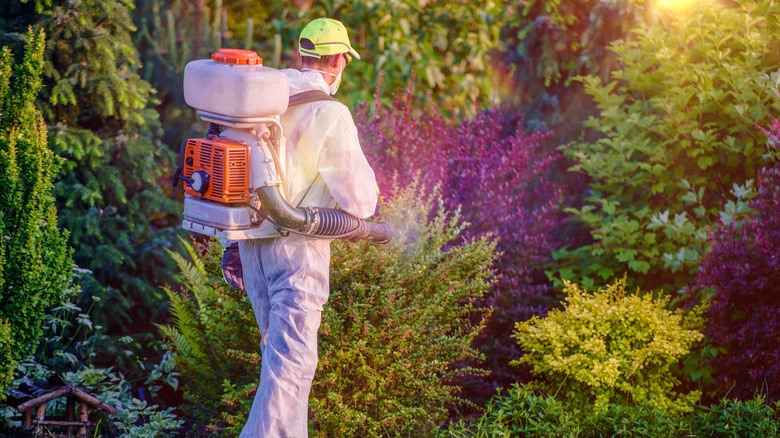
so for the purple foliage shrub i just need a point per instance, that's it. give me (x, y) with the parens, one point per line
(744, 271)
(500, 177)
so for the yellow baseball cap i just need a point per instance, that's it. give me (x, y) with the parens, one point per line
(329, 37)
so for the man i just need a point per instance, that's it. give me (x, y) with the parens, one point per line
(286, 278)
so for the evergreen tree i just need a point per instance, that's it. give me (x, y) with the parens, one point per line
(35, 262)
(101, 120)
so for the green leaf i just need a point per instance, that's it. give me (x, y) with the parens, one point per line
(639, 266)
(684, 184)
(689, 198)
(626, 255)
(606, 273)
(705, 162)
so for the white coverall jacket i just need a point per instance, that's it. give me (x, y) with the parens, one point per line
(286, 278)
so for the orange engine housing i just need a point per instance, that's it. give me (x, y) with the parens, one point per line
(227, 163)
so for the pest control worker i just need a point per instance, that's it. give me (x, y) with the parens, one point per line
(286, 277)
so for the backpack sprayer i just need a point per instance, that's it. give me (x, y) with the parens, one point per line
(232, 178)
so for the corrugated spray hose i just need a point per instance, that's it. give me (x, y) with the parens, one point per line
(326, 223)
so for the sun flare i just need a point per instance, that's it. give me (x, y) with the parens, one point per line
(675, 4)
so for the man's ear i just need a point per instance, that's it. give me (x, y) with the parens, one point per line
(334, 61)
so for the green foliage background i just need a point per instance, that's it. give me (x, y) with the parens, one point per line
(445, 45)
(35, 262)
(678, 141)
(101, 121)
(546, 44)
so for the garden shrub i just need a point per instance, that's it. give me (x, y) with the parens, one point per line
(523, 413)
(520, 412)
(743, 270)
(609, 347)
(35, 261)
(399, 317)
(678, 140)
(214, 337)
(735, 418)
(638, 420)
(501, 177)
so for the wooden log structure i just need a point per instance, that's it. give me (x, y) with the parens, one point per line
(74, 395)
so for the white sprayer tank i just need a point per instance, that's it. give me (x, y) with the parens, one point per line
(235, 83)
(235, 90)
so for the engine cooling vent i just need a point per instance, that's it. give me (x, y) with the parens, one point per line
(227, 164)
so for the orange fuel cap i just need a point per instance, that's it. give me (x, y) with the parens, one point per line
(237, 56)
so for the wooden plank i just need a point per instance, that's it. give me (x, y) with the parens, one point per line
(92, 401)
(84, 417)
(64, 423)
(57, 393)
(40, 415)
(69, 415)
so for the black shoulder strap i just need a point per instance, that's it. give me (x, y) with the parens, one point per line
(309, 96)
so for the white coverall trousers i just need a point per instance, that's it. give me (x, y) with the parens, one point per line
(287, 281)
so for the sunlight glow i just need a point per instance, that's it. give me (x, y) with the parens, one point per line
(676, 5)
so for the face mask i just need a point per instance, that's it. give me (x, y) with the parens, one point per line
(334, 86)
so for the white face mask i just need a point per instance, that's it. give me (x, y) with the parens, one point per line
(334, 86)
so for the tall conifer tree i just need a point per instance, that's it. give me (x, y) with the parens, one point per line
(35, 262)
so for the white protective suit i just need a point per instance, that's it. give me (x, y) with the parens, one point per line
(286, 278)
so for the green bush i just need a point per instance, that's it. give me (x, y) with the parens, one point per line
(214, 338)
(609, 347)
(737, 418)
(520, 412)
(636, 421)
(678, 142)
(400, 318)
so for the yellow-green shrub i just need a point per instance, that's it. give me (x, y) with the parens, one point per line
(609, 347)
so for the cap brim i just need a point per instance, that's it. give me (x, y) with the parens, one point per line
(352, 52)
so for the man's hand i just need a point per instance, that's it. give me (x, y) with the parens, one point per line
(231, 266)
